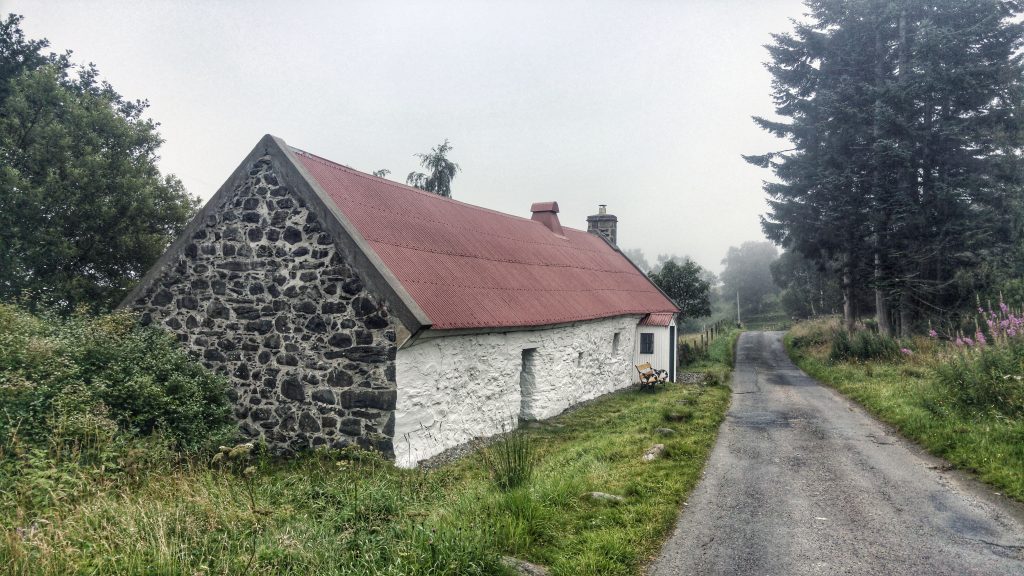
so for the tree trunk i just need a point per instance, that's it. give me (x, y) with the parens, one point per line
(849, 313)
(905, 315)
(881, 304)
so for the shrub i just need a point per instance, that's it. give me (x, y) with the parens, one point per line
(689, 353)
(85, 379)
(863, 345)
(815, 332)
(988, 378)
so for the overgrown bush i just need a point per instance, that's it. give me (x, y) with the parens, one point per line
(816, 332)
(989, 378)
(87, 379)
(863, 345)
(690, 353)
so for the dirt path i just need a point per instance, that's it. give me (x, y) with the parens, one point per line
(802, 481)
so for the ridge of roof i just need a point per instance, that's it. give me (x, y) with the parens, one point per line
(424, 193)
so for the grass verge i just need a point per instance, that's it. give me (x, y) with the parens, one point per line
(717, 363)
(907, 393)
(352, 513)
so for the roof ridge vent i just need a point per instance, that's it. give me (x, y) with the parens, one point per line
(547, 214)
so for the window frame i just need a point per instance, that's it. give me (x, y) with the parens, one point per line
(647, 342)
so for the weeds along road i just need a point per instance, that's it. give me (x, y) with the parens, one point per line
(802, 481)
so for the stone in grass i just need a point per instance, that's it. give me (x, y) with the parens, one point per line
(654, 452)
(665, 431)
(524, 567)
(604, 497)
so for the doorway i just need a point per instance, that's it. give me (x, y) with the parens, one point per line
(672, 345)
(528, 384)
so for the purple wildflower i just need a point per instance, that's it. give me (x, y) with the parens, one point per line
(906, 352)
(933, 334)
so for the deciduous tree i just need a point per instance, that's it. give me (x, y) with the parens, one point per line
(84, 211)
(686, 286)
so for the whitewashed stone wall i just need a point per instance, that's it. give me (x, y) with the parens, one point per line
(452, 389)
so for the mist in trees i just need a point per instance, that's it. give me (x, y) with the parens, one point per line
(806, 289)
(84, 211)
(636, 255)
(903, 181)
(748, 273)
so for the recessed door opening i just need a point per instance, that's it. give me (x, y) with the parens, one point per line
(527, 384)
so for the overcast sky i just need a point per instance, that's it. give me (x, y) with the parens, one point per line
(643, 106)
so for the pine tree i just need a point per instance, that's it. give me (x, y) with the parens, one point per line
(902, 116)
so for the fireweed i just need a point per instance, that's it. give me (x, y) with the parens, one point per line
(984, 373)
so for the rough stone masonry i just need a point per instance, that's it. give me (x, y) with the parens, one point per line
(261, 294)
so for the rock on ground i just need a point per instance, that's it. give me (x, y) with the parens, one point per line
(654, 452)
(524, 567)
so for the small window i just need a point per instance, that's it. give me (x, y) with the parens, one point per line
(647, 343)
(579, 360)
(615, 343)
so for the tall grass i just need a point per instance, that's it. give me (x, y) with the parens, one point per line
(88, 487)
(863, 345)
(510, 460)
(988, 378)
(717, 363)
(352, 513)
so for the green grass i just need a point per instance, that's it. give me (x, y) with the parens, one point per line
(719, 359)
(347, 513)
(906, 393)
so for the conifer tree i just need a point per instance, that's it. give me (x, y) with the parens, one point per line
(903, 116)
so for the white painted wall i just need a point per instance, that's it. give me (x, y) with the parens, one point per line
(660, 359)
(452, 389)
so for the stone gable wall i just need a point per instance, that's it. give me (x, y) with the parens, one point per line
(261, 294)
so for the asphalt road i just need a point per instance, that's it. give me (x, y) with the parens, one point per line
(802, 481)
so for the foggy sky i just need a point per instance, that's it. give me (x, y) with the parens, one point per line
(643, 106)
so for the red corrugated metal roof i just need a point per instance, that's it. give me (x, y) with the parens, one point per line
(657, 319)
(470, 267)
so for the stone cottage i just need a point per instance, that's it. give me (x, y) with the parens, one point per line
(348, 308)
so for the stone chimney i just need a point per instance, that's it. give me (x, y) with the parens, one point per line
(604, 224)
(547, 214)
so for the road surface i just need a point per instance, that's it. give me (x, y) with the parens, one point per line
(802, 481)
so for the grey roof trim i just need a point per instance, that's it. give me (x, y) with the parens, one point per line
(374, 273)
(353, 247)
(170, 255)
(427, 335)
(642, 273)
